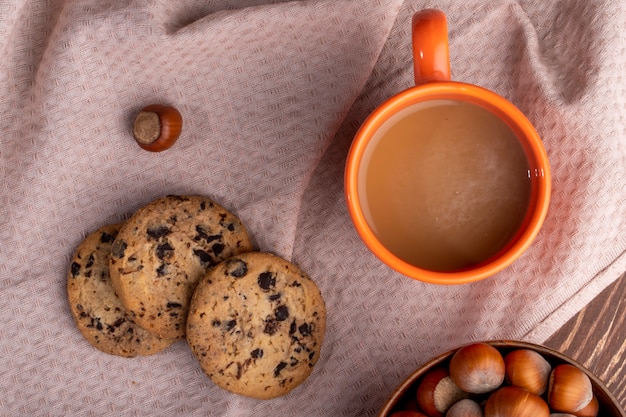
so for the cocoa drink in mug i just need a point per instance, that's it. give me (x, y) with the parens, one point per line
(446, 182)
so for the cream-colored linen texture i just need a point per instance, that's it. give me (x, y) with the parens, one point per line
(272, 93)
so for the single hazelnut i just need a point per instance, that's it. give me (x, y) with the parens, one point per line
(527, 369)
(477, 368)
(436, 392)
(157, 127)
(465, 408)
(569, 389)
(515, 402)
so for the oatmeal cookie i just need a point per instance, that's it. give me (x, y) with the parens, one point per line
(98, 312)
(162, 251)
(256, 324)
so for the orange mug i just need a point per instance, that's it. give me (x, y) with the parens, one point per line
(446, 182)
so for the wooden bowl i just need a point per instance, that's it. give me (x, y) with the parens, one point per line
(403, 397)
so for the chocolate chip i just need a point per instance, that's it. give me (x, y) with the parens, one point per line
(106, 237)
(90, 261)
(279, 367)
(267, 280)
(241, 368)
(118, 248)
(275, 297)
(174, 305)
(163, 250)
(230, 324)
(236, 268)
(161, 270)
(218, 248)
(202, 234)
(204, 256)
(226, 225)
(257, 353)
(305, 329)
(292, 328)
(75, 269)
(116, 324)
(282, 313)
(216, 323)
(271, 326)
(158, 232)
(95, 322)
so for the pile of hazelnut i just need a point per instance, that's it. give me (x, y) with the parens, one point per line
(480, 381)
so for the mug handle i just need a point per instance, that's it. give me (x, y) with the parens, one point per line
(431, 56)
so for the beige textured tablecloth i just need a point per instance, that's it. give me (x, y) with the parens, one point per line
(272, 95)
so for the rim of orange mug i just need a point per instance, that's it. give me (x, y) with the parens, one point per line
(539, 170)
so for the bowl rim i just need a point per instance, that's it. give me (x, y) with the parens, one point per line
(607, 400)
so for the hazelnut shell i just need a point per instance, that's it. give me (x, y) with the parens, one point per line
(527, 369)
(465, 408)
(157, 127)
(569, 389)
(477, 368)
(515, 402)
(437, 392)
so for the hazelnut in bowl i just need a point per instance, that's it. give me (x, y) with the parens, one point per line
(502, 378)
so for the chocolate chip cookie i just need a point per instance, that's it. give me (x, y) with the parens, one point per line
(256, 324)
(162, 251)
(99, 314)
